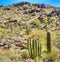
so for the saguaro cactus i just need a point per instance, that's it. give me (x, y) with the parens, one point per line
(48, 42)
(34, 48)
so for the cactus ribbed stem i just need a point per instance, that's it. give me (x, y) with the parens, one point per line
(34, 48)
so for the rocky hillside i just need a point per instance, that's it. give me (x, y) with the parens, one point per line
(24, 22)
(15, 18)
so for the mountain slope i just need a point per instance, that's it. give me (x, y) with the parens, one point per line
(14, 18)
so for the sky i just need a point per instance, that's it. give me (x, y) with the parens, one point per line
(55, 3)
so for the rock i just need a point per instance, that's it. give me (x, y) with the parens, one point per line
(30, 60)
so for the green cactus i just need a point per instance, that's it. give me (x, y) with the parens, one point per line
(48, 42)
(34, 48)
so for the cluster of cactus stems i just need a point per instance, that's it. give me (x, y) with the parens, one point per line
(34, 48)
(48, 42)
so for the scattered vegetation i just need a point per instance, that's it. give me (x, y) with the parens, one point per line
(29, 33)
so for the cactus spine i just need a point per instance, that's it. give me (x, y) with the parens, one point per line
(48, 42)
(34, 48)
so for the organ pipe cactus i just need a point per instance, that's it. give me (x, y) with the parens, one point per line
(48, 42)
(34, 48)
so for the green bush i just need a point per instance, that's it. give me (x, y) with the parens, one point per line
(4, 59)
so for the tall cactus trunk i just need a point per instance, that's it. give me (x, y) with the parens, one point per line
(48, 42)
(34, 48)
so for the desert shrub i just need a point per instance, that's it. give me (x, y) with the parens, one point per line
(25, 54)
(57, 41)
(53, 56)
(4, 59)
(36, 23)
(47, 11)
(2, 33)
(9, 52)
